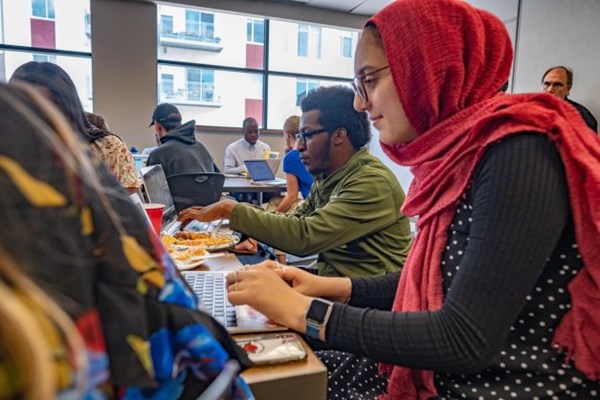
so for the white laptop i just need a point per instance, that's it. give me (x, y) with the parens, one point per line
(157, 191)
(261, 172)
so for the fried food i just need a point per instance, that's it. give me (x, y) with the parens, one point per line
(181, 255)
(187, 238)
(202, 239)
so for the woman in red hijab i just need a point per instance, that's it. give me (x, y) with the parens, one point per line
(499, 296)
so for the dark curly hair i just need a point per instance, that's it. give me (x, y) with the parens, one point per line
(335, 104)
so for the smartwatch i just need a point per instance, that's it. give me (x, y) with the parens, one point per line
(317, 316)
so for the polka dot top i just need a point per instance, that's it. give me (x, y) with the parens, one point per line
(527, 366)
(509, 257)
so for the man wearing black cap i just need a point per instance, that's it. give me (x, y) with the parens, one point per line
(178, 151)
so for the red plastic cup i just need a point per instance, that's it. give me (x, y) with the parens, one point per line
(155, 213)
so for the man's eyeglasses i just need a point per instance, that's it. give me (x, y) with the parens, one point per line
(358, 83)
(302, 136)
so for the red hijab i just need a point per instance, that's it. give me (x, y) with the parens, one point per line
(448, 61)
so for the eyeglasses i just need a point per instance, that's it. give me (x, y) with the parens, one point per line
(358, 83)
(302, 136)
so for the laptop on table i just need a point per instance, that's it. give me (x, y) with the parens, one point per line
(261, 173)
(157, 191)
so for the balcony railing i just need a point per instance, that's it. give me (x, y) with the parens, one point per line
(190, 40)
(191, 97)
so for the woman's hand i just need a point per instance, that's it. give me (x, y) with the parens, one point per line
(263, 289)
(335, 289)
(220, 210)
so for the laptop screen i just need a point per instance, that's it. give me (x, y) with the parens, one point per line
(157, 191)
(139, 160)
(259, 170)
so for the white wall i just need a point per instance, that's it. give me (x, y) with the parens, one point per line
(560, 32)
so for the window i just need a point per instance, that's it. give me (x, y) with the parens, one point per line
(309, 41)
(42, 8)
(200, 84)
(207, 28)
(166, 86)
(29, 26)
(255, 31)
(192, 23)
(220, 76)
(44, 58)
(286, 94)
(303, 86)
(87, 23)
(347, 46)
(201, 25)
(166, 25)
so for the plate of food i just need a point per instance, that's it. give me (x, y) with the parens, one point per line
(208, 241)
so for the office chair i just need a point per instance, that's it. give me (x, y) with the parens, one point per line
(199, 189)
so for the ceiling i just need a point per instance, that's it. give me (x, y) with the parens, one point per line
(359, 7)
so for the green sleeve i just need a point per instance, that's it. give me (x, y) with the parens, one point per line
(367, 203)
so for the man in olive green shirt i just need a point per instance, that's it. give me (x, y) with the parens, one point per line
(351, 217)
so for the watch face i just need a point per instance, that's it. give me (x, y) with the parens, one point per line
(317, 310)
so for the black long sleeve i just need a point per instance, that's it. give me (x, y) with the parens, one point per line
(519, 210)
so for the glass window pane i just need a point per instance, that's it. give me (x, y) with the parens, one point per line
(259, 31)
(212, 96)
(50, 24)
(78, 68)
(209, 37)
(309, 49)
(347, 47)
(166, 25)
(302, 44)
(286, 93)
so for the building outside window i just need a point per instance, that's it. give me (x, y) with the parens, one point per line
(30, 26)
(42, 8)
(223, 81)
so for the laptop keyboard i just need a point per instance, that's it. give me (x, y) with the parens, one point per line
(197, 226)
(212, 294)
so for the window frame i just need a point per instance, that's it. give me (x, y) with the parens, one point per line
(251, 31)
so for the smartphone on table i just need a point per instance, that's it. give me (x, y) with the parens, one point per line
(272, 348)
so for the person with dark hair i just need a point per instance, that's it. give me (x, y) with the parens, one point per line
(58, 87)
(108, 314)
(247, 148)
(178, 150)
(351, 216)
(558, 81)
(498, 298)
